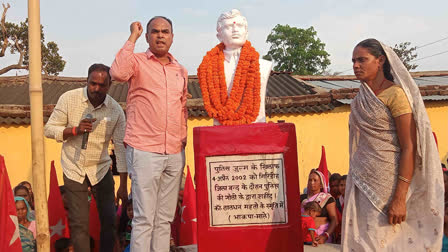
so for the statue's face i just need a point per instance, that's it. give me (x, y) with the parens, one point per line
(233, 32)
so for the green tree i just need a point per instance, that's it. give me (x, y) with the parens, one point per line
(14, 37)
(297, 50)
(407, 54)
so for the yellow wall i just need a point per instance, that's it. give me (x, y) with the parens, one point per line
(438, 116)
(313, 130)
(329, 129)
(15, 146)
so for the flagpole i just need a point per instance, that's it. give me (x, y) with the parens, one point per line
(37, 132)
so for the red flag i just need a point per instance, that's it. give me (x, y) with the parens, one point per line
(323, 168)
(94, 224)
(57, 216)
(9, 225)
(175, 225)
(188, 226)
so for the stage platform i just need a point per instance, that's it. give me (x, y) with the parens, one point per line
(323, 248)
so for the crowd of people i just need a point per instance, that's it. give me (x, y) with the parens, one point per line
(318, 206)
(322, 210)
(23, 197)
(321, 222)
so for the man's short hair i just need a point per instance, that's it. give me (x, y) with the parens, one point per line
(344, 178)
(156, 17)
(98, 67)
(312, 205)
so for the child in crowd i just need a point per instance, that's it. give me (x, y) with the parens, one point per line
(340, 199)
(312, 209)
(340, 208)
(64, 245)
(334, 185)
(126, 234)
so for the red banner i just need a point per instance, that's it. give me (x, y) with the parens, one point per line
(57, 216)
(9, 238)
(188, 222)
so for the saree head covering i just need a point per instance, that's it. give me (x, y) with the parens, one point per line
(26, 236)
(374, 163)
(323, 182)
(28, 208)
(322, 197)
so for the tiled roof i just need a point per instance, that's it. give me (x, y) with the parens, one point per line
(14, 90)
(281, 87)
(285, 93)
(436, 81)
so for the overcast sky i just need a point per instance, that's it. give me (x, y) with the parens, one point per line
(93, 31)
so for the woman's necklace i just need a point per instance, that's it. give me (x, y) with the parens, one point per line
(379, 88)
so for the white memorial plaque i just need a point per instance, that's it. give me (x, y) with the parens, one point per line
(247, 190)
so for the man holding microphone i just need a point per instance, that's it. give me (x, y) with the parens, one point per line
(85, 120)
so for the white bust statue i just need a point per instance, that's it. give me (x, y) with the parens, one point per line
(232, 32)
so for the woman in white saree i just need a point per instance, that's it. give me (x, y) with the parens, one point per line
(392, 197)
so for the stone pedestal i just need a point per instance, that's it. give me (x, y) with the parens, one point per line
(247, 188)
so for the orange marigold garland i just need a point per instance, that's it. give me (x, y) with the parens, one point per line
(243, 103)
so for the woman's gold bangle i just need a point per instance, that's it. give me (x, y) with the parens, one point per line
(404, 179)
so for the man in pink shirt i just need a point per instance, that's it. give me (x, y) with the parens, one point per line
(156, 131)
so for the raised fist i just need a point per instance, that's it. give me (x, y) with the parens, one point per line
(136, 29)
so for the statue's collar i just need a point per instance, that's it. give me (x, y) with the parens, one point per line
(235, 53)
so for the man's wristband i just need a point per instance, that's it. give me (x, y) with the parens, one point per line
(404, 179)
(74, 131)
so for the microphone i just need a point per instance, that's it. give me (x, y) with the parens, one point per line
(85, 135)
